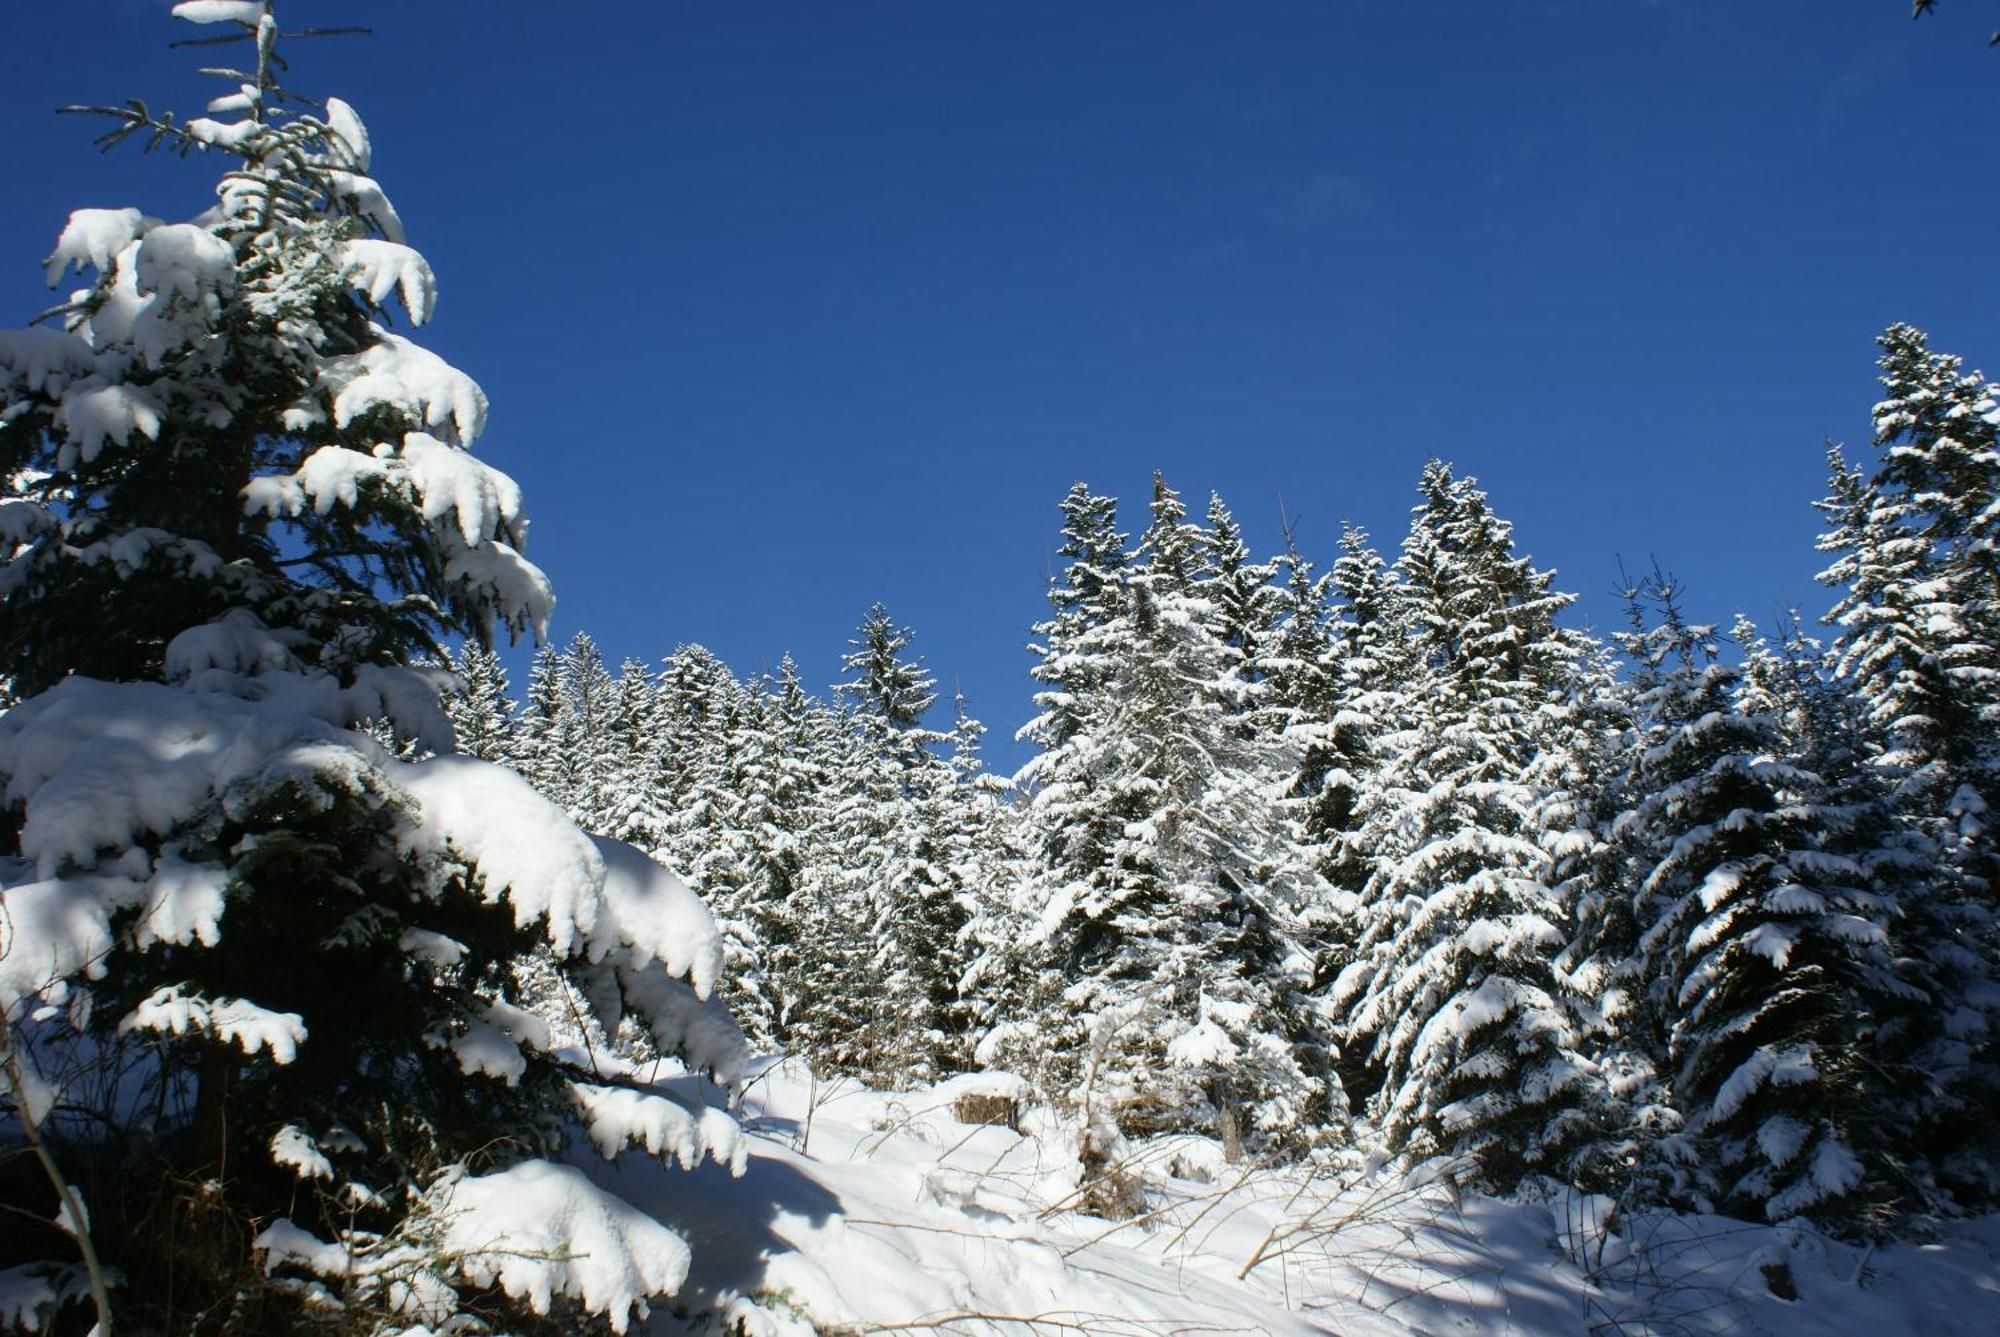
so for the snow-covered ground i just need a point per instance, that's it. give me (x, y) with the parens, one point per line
(861, 1211)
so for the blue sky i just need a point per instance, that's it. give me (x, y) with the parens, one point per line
(788, 307)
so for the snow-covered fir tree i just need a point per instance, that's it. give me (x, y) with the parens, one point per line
(1248, 606)
(1469, 1029)
(479, 708)
(1171, 977)
(1919, 651)
(1764, 952)
(238, 505)
(907, 810)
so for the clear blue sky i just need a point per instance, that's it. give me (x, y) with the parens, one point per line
(788, 307)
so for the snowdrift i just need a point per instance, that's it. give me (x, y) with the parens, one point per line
(861, 1211)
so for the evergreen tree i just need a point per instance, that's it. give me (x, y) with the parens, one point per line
(585, 737)
(541, 752)
(902, 822)
(1919, 651)
(237, 505)
(1171, 962)
(1765, 951)
(480, 711)
(770, 792)
(1453, 991)
(1911, 658)
(1248, 606)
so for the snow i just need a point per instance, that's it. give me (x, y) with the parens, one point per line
(617, 1117)
(100, 768)
(443, 481)
(366, 197)
(229, 136)
(415, 382)
(91, 415)
(538, 1231)
(432, 948)
(484, 1050)
(31, 1093)
(1202, 1045)
(378, 268)
(859, 1208)
(44, 360)
(282, 1242)
(346, 125)
(651, 911)
(106, 766)
(1832, 1172)
(450, 482)
(244, 98)
(293, 1147)
(530, 853)
(1720, 885)
(520, 590)
(93, 238)
(1780, 1138)
(174, 1011)
(183, 904)
(183, 259)
(220, 11)
(1779, 1067)
(236, 643)
(1793, 899)
(31, 1293)
(54, 931)
(999, 1085)
(700, 1030)
(1773, 942)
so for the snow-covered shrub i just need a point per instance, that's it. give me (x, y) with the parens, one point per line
(263, 1024)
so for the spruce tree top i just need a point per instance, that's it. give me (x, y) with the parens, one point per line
(223, 431)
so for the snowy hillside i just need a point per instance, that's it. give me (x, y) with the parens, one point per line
(860, 1211)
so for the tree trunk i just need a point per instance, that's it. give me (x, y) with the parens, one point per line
(210, 1132)
(1228, 1119)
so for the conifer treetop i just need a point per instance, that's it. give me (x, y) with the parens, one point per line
(224, 421)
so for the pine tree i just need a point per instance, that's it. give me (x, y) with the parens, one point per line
(1248, 606)
(1919, 649)
(237, 505)
(481, 714)
(771, 792)
(541, 753)
(1911, 658)
(1170, 960)
(1370, 675)
(1453, 992)
(1765, 949)
(904, 814)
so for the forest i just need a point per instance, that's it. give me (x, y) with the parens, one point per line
(349, 987)
(1384, 856)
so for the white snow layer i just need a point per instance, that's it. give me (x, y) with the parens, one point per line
(406, 377)
(860, 1209)
(93, 238)
(378, 268)
(539, 1231)
(172, 1011)
(99, 769)
(293, 1147)
(345, 123)
(93, 415)
(236, 643)
(618, 1117)
(220, 11)
(182, 259)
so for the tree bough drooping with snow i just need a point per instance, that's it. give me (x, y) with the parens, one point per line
(258, 977)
